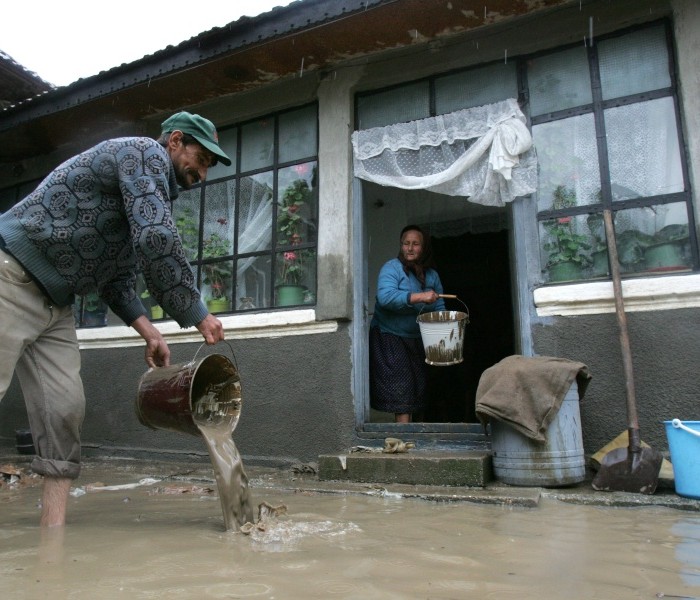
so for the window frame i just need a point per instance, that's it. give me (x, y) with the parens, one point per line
(597, 107)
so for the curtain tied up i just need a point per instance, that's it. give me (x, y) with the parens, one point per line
(484, 153)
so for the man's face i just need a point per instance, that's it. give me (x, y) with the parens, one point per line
(191, 161)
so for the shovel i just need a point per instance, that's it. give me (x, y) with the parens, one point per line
(635, 468)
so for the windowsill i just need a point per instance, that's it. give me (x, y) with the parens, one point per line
(597, 297)
(247, 326)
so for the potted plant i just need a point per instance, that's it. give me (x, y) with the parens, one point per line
(290, 229)
(567, 249)
(665, 252)
(216, 274)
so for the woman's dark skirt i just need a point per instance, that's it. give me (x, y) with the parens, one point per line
(397, 373)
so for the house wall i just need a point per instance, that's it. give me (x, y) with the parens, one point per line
(297, 381)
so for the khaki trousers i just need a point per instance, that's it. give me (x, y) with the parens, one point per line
(39, 343)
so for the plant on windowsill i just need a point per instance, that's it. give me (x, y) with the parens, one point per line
(567, 249)
(666, 250)
(291, 268)
(215, 274)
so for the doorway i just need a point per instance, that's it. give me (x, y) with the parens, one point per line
(471, 246)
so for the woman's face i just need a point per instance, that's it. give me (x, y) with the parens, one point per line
(411, 245)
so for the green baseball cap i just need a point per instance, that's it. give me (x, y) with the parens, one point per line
(200, 129)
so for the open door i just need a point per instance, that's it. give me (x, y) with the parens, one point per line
(471, 245)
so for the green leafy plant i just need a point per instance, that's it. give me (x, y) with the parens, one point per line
(597, 229)
(565, 245)
(291, 223)
(189, 232)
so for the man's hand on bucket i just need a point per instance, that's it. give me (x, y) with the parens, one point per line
(211, 329)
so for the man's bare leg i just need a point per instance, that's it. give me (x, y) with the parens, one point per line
(54, 501)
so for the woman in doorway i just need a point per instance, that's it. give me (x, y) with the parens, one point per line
(407, 285)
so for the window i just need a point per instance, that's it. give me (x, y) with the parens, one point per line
(605, 125)
(250, 231)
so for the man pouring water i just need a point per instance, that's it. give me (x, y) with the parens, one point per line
(90, 226)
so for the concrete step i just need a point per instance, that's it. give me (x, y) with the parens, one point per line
(470, 468)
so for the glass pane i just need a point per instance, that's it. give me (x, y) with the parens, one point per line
(253, 282)
(634, 63)
(219, 212)
(566, 244)
(653, 239)
(257, 144)
(296, 208)
(643, 149)
(405, 103)
(295, 282)
(93, 311)
(149, 302)
(217, 278)
(475, 88)
(186, 214)
(568, 162)
(255, 213)
(298, 134)
(559, 81)
(216, 285)
(227, 142)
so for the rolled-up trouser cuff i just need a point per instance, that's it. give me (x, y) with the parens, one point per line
(55, 468)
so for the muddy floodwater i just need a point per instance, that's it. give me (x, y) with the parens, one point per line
(166, 539)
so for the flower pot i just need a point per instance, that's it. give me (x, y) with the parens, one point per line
(666, 256)
(290, 295)
(217, 305)
(564, 271)
(156, 312)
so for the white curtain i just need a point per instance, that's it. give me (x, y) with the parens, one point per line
(484, 153)
(255, 235)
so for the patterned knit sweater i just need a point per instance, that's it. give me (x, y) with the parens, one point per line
(97, 219)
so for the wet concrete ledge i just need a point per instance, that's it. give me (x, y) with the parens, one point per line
(303, 479)
(466, 468)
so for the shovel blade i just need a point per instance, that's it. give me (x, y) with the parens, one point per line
(633, 470)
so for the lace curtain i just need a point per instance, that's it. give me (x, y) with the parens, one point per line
(484, 153)
(255, 236)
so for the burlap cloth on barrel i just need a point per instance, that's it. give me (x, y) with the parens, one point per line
(526, 392)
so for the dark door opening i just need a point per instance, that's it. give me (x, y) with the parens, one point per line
(475, 267)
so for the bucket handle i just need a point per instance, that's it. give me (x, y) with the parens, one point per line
(678, 425)
(453, 297)
(235, 363)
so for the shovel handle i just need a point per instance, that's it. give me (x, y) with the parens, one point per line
(633, 421)
(678, 425)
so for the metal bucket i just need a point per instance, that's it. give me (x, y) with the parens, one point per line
(178, 397)
(560, 461)
(442, 332)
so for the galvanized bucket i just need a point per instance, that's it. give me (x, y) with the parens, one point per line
(442, 332)
(559, 462)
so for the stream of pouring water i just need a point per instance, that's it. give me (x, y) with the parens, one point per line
(231, 478)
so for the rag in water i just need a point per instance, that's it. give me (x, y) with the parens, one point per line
(526, 392)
